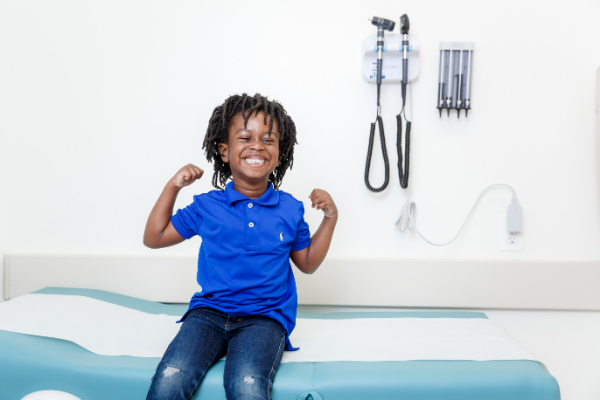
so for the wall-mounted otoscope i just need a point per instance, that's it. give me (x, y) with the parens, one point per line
(382, 25)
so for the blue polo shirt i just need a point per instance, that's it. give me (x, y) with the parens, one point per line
(244, 260)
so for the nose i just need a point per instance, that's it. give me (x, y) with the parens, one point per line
(257, 144)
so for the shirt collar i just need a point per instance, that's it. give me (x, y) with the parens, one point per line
(268, 198)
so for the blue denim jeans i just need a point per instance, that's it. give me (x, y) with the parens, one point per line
(253, 344)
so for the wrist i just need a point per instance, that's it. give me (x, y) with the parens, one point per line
(172, 186)
(333, 217)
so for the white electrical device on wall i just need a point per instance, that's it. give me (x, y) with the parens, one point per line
(392, 59)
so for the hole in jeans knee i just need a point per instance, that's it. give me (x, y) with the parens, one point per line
(170, 371)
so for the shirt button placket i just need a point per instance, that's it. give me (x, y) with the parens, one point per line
(252, 239)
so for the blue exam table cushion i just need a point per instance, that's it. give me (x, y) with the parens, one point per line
(32, 363)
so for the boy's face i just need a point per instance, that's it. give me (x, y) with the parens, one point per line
(252, 152)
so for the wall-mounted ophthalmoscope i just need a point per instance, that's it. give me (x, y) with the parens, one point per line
(404, 27)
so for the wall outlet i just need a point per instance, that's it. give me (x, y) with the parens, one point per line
(509, 242)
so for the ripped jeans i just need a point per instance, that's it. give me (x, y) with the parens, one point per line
(253, 344)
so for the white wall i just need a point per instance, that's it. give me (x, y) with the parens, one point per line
(102, 102)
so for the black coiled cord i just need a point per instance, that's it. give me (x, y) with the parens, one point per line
(403, 175)
(385, 157)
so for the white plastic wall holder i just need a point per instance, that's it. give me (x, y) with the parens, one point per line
(392, 58)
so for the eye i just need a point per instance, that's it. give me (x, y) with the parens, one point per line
(244, 138)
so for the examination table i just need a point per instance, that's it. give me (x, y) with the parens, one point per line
(33, 363)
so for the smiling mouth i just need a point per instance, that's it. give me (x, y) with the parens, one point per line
(254, 160)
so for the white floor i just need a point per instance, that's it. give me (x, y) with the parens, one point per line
(567, 342)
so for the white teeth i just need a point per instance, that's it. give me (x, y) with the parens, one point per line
(254, 161)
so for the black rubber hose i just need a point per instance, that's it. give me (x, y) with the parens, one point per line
(385, 157)
(403, 175)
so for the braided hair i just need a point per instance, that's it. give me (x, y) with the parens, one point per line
(221, 121)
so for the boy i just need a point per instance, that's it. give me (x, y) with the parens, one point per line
(247, 306)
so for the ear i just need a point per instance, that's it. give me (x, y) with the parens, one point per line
(224, 150)
(279, 161)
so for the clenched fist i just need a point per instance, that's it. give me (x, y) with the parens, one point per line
(321, 200)
(187, 175)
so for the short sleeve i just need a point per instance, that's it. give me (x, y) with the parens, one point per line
(187, 221)
(302, 239)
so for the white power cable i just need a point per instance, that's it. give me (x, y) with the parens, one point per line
(408, 215)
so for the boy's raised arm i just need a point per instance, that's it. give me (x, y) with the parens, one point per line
(159, 231)
(309, 259)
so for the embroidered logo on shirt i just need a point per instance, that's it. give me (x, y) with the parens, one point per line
(281, 236)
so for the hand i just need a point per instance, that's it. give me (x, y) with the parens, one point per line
(321, 200)
(187, 175)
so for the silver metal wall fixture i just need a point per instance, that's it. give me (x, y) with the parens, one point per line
(455, 77)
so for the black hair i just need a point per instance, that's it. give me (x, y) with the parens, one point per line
(218, 132)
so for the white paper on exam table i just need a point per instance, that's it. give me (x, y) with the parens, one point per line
(109, 329)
